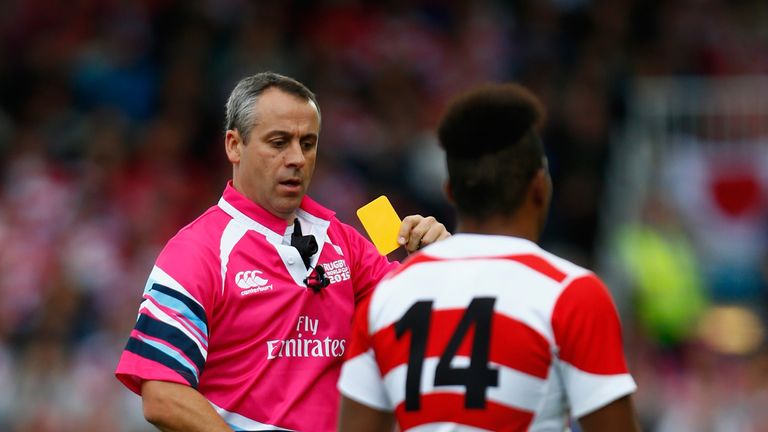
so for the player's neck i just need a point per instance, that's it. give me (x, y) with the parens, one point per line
(514, 226)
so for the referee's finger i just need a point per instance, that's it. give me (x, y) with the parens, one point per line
(416, 239)
(436, 232)
(407, 225)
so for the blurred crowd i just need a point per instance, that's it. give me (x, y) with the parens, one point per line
(111, 139)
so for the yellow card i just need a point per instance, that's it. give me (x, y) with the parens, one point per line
(382, 224)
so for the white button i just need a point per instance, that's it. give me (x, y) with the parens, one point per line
(291, 261)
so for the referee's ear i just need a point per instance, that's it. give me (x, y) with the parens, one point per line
(232, 145)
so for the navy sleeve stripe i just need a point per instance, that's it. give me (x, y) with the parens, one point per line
(191, 304)
(149, 352)
(172, 335)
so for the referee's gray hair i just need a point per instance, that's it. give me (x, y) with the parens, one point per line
(242, 100)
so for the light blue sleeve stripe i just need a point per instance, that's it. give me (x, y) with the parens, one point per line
(165, 349)
(175, 304)
(149, 284)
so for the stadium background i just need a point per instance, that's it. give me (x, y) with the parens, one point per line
(111, 117)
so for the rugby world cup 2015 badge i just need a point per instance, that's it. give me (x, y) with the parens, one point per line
(336, 271)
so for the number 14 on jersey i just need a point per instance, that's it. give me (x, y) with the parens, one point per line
(476, 378)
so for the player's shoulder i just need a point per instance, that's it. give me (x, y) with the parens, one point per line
(567, 267)
(461, 248)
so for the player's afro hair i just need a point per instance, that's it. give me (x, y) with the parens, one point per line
(490, 136)
(488, 119)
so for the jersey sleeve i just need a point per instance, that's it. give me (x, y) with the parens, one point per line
(588, 336)
(368, 267)
(169, 341)
(360, 378)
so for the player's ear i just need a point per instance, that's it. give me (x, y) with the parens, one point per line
(232, 145)
(448, 192)
(541, 188)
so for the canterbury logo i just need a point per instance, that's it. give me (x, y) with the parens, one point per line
(249, 279)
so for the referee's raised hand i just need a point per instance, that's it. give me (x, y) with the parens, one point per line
(417, 231)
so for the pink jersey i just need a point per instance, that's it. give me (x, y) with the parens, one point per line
(487, 333)
(226, 311)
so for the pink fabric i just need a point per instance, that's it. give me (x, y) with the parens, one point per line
(275, 349)
(141, 367)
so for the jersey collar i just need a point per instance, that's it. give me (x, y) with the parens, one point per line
(233, 198)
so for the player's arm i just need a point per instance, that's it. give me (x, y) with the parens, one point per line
(365, 405)
(591, 363)
(173, 407)
(358, 417)
(618, 415)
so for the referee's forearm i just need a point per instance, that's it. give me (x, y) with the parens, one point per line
(175, 407)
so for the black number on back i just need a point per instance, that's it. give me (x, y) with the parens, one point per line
(476, 378)
(417, 321)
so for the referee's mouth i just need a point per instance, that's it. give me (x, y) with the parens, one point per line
(291, 185)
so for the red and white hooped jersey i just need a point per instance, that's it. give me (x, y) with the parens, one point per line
(483, 332)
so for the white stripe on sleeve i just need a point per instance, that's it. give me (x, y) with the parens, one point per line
(361, 381)
(588, 392)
